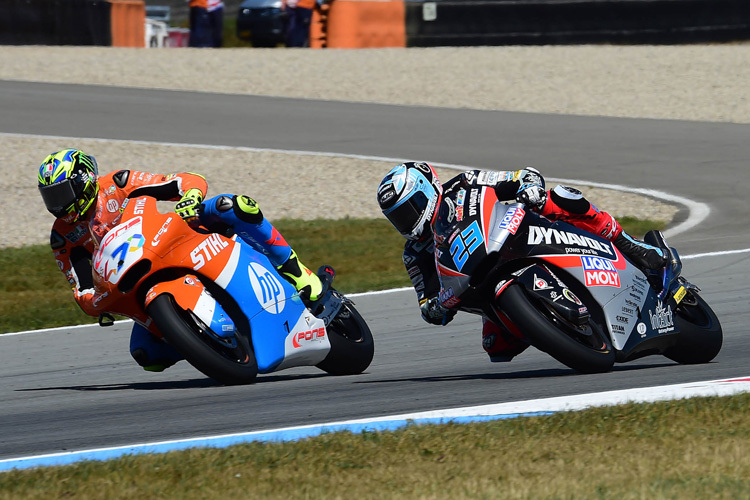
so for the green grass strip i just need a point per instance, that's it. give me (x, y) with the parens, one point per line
(690, 449)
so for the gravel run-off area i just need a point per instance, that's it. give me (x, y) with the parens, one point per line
(695, 82)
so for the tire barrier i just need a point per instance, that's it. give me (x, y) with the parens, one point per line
(120, 23)
(537, 22)
(55, 22)
(367, 23)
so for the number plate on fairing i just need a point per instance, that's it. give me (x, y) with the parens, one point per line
(120, 249)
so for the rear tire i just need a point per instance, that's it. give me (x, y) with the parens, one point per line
(230, 365)
(587, 349)
(700, 337)
(352, 345)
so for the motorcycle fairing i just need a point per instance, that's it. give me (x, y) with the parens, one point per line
(271, 305)
(274, 309)
(618, 286)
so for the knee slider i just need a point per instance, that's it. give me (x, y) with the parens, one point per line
(570, 199)
(140, 356)
(246, 209)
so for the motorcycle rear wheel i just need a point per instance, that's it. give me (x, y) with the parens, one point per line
(700, 337)
(585, 349)
(352, 345)
(223, 362)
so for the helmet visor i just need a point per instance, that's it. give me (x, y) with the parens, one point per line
(407, 215)
(59, 198)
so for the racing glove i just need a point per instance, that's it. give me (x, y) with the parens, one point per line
(531, 192)
(434, 313)
(187, 207)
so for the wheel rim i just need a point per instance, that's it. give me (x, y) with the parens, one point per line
(583, 335)
(234, 349)
(691, 312)
(345, 325)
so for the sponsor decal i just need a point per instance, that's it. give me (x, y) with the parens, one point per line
(451, 210)
(618, 329)
(99, 298)
(641, 329)
(207, 250)
(512, 219)
(448, 298)
(622, 319)
(162, 230)
(488, 177)
(60, 264)
(550, 235)
(112, 206)
(540, 284)
(77, 233)
(460, 213)
(628, 310)
(473, 200)
(460, 197)
(630, 303)
(662, 319)
(140, 205)
(315, 335)
(502, 284)
(387, 196)
(680, 294)
(267, 288)
(189, 280)
(572, 297)
(599, 272)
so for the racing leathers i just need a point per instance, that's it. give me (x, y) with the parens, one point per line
(527, 186)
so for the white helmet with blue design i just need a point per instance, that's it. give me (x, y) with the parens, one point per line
(409, 196)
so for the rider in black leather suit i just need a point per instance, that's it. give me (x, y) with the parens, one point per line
(411, 193)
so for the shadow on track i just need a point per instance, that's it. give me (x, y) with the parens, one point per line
(172, 384)
(526, 374)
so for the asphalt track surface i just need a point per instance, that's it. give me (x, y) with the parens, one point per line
(77, 388)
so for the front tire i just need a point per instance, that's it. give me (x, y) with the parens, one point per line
(352, 346)
(700, 337)
(229, 364)
(586, 349)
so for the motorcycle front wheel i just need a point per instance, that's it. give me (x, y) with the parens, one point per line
(352, 346)
(585, 349)
(700, 337)
(229, 361)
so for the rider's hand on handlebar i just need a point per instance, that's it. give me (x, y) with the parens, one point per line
(531, 195)
(187, 207)
(434, 313)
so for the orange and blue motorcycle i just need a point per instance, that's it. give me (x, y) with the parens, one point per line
(219, 302)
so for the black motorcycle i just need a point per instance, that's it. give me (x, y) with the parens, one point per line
(565, 291)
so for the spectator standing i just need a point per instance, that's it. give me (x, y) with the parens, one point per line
(300, 15)
(206, 23)
(216, 21)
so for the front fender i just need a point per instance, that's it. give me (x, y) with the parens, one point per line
(191, 295)
(541, 283)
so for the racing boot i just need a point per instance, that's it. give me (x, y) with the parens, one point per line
(499, 344)
(302, 279)
(643, 255)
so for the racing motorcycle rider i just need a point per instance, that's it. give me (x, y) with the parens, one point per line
(409, 196)
(74, 193)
